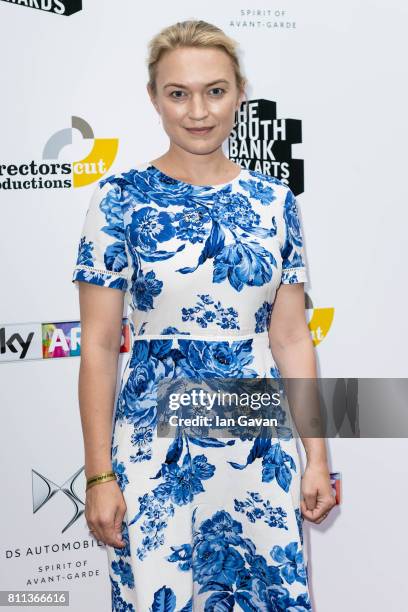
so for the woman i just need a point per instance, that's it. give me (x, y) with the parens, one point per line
(210, 258)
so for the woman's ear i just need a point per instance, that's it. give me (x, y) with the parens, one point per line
(152, 97)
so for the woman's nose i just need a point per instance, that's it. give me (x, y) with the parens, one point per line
(198, 108)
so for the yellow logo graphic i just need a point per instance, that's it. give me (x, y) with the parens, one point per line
(95, 164)
(320, 323)
(320, 320)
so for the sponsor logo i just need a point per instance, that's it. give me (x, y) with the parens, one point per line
(59, 7)
(261, 141)
(268, 20)
(43, 489)
(25, 341)
(62, 175)
(319, 320)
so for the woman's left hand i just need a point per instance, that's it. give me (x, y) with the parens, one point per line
(318, 498)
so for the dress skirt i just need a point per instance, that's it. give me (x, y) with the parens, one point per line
(210, 525)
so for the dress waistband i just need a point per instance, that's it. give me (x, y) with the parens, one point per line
(261, 337)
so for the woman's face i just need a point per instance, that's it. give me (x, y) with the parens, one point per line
(196, 89)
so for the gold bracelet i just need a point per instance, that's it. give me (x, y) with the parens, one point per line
(100, 475)
(106, 479)
(98, 478)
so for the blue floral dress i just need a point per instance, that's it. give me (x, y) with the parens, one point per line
(212, 524)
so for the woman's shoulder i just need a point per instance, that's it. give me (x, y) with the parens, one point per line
(132, 186)
(127, 173)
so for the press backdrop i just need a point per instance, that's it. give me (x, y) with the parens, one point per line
(327, 99)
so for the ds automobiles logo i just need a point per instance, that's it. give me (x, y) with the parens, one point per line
(44, 490)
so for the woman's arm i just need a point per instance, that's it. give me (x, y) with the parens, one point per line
(293, 351)
(101, 311)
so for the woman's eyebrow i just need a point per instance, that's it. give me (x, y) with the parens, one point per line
(185, 87)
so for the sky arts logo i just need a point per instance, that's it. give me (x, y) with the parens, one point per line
(24, 341)
(59, 7)
(62, 175)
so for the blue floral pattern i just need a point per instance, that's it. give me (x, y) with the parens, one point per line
(207, 311)
(231, 574)
(263, 317)
(255, 508)
(212, 523)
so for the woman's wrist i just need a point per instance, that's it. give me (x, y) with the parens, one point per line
(316, 454)
(97, 468)
(317, 462)
(100, 478)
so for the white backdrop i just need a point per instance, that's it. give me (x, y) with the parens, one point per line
(339, 71)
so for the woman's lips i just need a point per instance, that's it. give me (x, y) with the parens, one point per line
(199, 131)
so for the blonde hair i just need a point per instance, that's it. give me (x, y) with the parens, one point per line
(192, 33)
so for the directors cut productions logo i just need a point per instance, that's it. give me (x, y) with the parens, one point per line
(59, 7)
(62, 175)
(261, 141)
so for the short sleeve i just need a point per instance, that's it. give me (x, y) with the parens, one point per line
(102, 258)
(292, 249)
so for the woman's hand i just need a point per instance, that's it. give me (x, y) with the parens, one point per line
(105, 508)
(317, 493)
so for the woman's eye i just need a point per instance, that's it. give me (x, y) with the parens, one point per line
(219, 89)
(175, 92)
